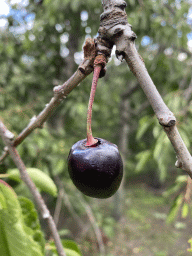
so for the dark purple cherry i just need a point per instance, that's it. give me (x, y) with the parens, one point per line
(96, 171)
(94, 164)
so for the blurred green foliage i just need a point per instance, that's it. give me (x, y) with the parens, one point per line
(41, 47)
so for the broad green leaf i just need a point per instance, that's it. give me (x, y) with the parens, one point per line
(70, 247)
(31, 220)
(69, 244)
(16, 239)
(174, 208)
(2, 202)
(70, 252)
(41, 180)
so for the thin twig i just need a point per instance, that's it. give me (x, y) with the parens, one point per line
(65, 199)
(78, 219)
(88, 210)
(94, 225)
(58, 206)
(7, 138)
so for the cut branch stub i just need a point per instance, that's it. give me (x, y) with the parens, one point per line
(89, 55)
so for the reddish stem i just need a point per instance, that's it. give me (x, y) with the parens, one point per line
(90, 140)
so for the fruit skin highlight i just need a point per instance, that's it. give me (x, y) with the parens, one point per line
(95, 170)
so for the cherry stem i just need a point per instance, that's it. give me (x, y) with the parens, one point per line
(90, 140)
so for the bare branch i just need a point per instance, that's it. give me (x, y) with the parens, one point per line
(7, 137)
(115, 28)
(60, 93)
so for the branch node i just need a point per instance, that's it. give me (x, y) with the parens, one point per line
(6, 149)
(178, 164)
(32, 120)
(57, 89)
(46, 215)
(9, 135)
(121, 5)
(167, 121)
(120, 55)
(133, 36)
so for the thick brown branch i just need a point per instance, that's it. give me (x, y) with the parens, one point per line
(7, 137)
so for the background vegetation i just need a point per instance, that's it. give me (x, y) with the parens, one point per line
(40, 47)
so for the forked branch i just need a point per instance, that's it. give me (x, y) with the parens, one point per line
(115, 30)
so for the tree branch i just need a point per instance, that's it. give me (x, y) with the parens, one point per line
(7, 138)
(115, 29)
(60, 93)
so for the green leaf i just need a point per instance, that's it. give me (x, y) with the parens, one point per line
(70, 252)
(41, 180)
(143, 158)
(15, 237)
(172, 190)
(181, 179)
(180, 182)
(69, 244)
(2, 202)
(144, 125)
(162, 168)
(174, 208)
(70, 248)
(160, 146)
(31, 220)
(190, 242)
(185, 210)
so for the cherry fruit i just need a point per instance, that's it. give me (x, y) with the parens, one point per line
(96, 171)
(95, 165)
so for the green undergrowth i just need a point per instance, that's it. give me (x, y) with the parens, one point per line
(142, 229)
(144, 226)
